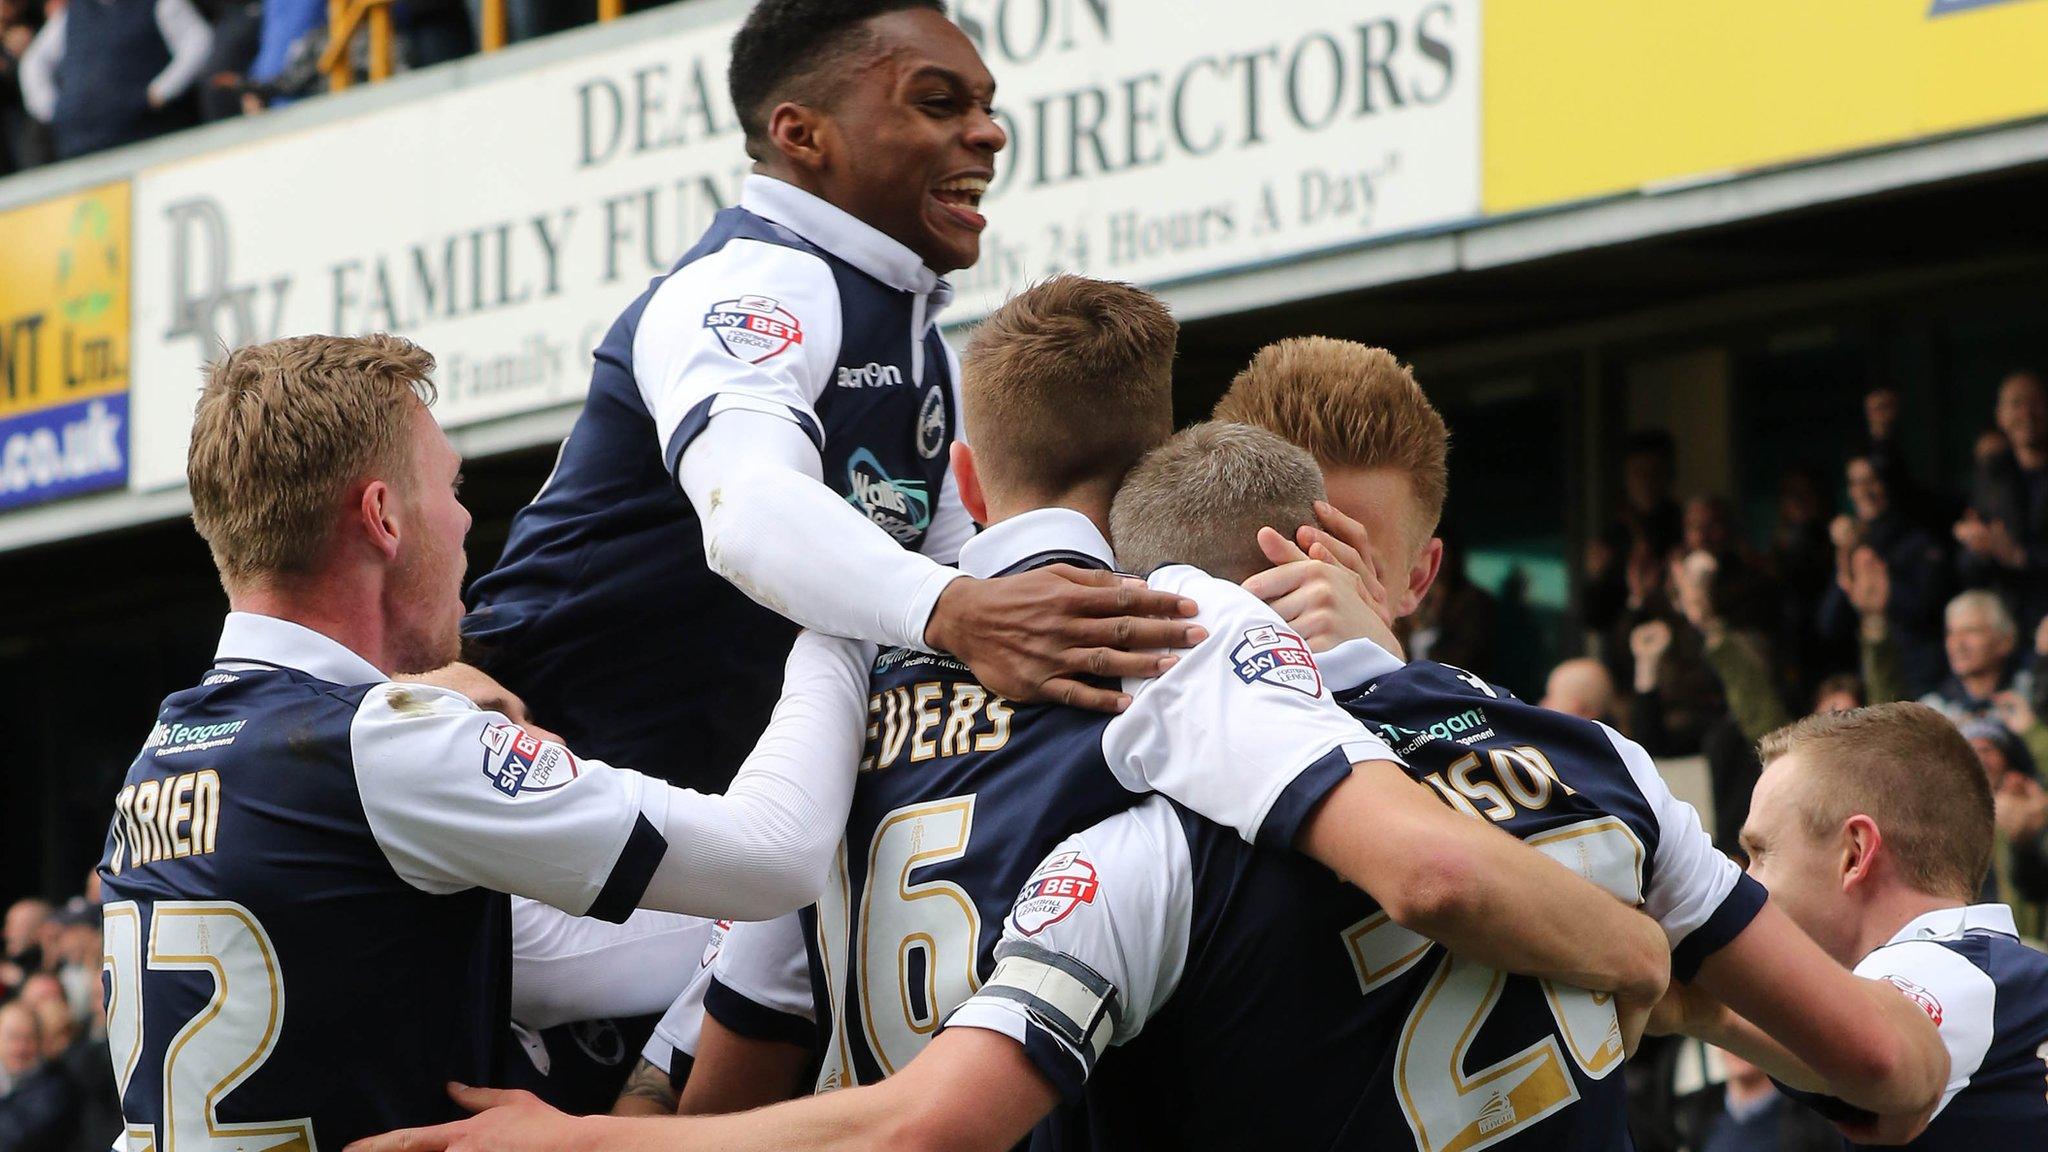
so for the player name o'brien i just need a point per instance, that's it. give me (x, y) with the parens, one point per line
(919, 718)
(166, 819)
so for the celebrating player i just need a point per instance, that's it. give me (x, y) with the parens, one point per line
(767, 430)
(1873, 829)
(302, 877)
(1383, 450)
(1242, 727)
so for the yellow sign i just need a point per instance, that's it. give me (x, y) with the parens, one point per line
(64, 346)
(1591, 97)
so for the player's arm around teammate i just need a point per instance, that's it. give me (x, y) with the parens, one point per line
(1861, 1040)
(1474, 888)
(592, 839)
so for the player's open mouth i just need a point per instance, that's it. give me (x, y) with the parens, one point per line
(960, 199)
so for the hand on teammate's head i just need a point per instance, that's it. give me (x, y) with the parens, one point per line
(1323, 600)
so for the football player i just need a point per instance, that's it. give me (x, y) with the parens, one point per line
(1873, 828)
(304, 876)
(765, 440)
(912, 932)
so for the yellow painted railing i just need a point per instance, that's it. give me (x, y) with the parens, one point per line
(346, 17)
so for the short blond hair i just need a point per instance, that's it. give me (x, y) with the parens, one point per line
(1201, 498)
(1906, 767)
(1351, 406)
(281, 432)
(1069, 382)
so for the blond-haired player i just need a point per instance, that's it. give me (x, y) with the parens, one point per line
(1872, 828)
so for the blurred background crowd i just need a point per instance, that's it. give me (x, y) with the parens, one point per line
(80, 76)
(56, 1084)
(1874, 585)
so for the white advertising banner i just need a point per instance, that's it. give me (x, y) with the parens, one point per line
(503, 225)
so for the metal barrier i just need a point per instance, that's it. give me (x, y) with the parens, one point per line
(346, 17)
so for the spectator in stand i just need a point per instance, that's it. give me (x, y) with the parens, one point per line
(237, 32)
(2019, 866)
(1650, 522)
(1880, 440)
(288, 50)
(1915, 569)
(1582, 688)
(21, 933)
(1454, 624)
(1839, 693)
(58, 1028)
(1980, 637)
(44, 988)
(1701, 585)
(23, 144)
(1743, 595)
(37, 1108)
(103, 73)
(1802, 565)
(1674, 697)
(2004, 532)
(1752, 705)
(89, 1065)
(79, 955)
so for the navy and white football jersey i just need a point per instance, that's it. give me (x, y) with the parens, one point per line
(1280, 1007)
(962, 792)
(1988, 994)
(304, 927)
(602, 613)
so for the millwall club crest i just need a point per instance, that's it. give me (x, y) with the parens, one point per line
(931, 423)
(1060, 885)
(1276, 656)
(754, 328)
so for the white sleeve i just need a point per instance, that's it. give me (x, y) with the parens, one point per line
(1094, 946)
(1956, 994)
(678, 1028)
(458, 798)
(38, 69)
(752, 326)
(764, 847)
(763, 967)
(568, 968)
(768, 517)
(1695, 892)
(594, 840)
(190, 39)
(1242, 730)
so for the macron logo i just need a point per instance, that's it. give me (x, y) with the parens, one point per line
(870, 375)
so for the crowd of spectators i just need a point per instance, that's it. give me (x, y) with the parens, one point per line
(1702, 637)
(79, 76)
(56, 1073)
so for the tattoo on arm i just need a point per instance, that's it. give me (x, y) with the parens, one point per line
(647, 1093)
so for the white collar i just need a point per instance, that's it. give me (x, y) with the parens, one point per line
(846, 236)
(1355, 663)
(250, 638)
(1949, 923)
(1008, 543)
